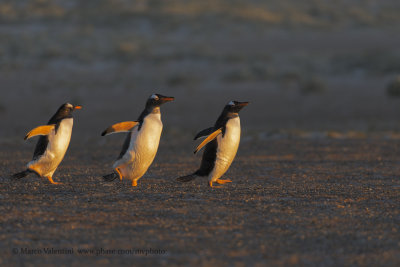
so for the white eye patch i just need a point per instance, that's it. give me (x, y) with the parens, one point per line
(231, 103)
(68, 105)
(154, 96)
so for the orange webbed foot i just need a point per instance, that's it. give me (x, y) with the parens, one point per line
(220, 181)
(211, 185)
(51, 180)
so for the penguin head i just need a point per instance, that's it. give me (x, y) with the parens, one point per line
(66, 110)
(156, 100)
(235, 106)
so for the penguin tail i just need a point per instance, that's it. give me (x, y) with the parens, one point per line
(110, 177)
(187, 178)
(20, 175)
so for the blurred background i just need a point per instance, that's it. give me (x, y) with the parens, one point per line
(308, 67)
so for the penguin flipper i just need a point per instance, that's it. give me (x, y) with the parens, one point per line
(186, 178)
(40, 130)
(204, 132)
(125, 126)
(20, 175)
(211, 137)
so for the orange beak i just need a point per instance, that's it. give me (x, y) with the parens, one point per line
(77, 107)
(168, 99)
(243, 104)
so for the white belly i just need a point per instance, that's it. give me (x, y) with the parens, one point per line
(58, 144)
(227, 148)
(142, 148)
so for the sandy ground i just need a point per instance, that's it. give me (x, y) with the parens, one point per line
(303, 201)
(316, 179)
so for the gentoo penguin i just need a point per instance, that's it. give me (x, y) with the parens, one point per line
(221, 144)
(52, 144)
(141, 143)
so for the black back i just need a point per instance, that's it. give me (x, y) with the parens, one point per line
(41, 147)
(208, 159)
